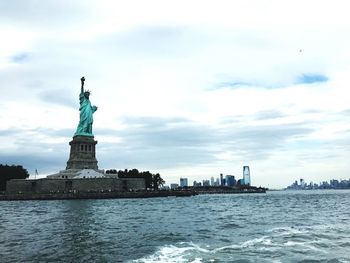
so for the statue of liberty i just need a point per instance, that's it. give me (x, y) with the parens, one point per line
(86, 112)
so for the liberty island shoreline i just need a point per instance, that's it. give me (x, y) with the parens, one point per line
(73, 195)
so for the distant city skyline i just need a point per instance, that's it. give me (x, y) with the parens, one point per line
(185, 88)
(221, 180)
(332, 184)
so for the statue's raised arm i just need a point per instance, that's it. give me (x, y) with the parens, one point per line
(82, 84)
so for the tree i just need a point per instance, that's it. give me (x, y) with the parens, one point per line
(148, 179)
(8, 172)
(111, 171)
(134, 173)
(157, 181)
(152, 181)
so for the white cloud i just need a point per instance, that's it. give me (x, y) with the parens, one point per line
(185, 88)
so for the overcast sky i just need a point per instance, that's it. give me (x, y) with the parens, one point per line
(184, 88)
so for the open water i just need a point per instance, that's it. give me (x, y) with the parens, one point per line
(295, 226)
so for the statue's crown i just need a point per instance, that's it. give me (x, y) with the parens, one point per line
(87, 92)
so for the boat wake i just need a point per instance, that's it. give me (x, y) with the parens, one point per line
(277, 245)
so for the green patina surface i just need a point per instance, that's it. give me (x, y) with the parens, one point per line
(86, 113)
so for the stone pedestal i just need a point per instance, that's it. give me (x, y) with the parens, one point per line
(82, 153)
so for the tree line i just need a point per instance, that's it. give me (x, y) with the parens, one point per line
(152, 181)
(8, 172)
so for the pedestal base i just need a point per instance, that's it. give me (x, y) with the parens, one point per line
(82, 153)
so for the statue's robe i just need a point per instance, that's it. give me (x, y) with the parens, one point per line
(86, 118)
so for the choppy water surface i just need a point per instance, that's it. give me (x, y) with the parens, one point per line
(309, 226)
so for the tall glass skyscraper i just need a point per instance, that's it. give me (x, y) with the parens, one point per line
(246, 175)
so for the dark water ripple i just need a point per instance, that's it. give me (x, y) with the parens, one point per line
(310, 226)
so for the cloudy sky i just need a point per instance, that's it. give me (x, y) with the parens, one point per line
(183, 88)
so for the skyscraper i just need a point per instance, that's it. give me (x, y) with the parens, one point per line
(212, 182)
(230, 180)
(206, 183)
(183, 182)
(246, 175)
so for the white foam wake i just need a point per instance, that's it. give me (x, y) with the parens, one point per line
(276, 239)
(184, 252)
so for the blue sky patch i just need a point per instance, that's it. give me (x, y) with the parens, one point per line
(19, 58)
(311, 78)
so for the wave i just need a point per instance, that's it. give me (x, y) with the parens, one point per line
(183, 252)
(287, 231)
(283, 242)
